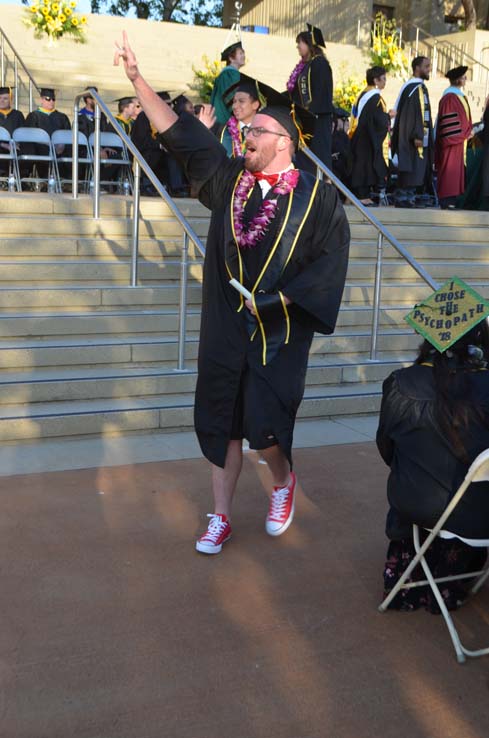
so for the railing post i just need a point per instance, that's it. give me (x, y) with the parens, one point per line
(182, 318)
(31, 96)
(96, 163)
(358, 33)
(135, 225)
(417, 41)
(74, 151)
(16, 83)
(2, 59)
(435, 60)
(376, 306)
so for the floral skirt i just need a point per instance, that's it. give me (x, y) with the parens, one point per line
(445, 557)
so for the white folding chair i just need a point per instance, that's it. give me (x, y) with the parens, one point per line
(9, 153)
(478, 472)
(39, 137)
(121, 161)
(65, 138)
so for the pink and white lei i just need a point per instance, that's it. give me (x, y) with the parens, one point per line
(248, 236)
(295, 74)
(236, 137)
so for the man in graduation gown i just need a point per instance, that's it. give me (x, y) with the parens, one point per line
(453, 129)
(368, 129)
(145, 137)
(290, 251)
(10, 119)
(50, 120)
(225, 83)
(412, 138)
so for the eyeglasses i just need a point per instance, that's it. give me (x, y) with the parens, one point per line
(256, 132)
(48, 98)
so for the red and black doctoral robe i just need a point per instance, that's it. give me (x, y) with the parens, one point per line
(453, 129)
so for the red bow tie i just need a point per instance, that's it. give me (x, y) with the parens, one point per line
(272, 179)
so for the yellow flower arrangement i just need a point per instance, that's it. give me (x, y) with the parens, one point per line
(386, 49)
(55, 19)
(346, 92)
(204, 78)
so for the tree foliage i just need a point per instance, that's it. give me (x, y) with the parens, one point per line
(205, 13)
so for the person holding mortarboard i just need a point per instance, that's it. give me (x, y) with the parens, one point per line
(311, 86)
(50, 120)
(10, 119)
(224, 85)
(284, 237)
(434, 421)
(453, 129)
(245, 105)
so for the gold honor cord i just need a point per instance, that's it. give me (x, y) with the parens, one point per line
(421, 102)
(262, 329)
(287, 319)
(299, 230)
(277, 241)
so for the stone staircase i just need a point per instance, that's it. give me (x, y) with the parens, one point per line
(82, 353)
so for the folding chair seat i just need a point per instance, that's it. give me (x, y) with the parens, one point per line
(37, 137)
(121, 161)
(65, 138)
(9, 154)
(478, 472)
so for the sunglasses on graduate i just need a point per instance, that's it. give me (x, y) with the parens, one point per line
(256, 132)
(48, 98)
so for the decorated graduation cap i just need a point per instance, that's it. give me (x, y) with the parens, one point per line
(230, 49)
(316, 34)
(48, 92)
(456, 73)
(448, 314)
(297, 121)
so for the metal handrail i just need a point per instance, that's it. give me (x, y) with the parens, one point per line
(17, 61)
(383, 233)
(140, 163)
(444, 42)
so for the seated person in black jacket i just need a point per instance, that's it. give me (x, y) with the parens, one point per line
(10, 119)
(50, 120)
(434, 421)
(145, 138)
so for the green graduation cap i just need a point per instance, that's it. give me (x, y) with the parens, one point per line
(448, 314)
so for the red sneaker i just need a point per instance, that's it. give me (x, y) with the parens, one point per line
(217, 533)
(281, 510)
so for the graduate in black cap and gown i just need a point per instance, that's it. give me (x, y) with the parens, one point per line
(224, 85)
(50, 120)
(311, 86)
(145, 137)
(10, 119)
(453, 129)
(284, 235)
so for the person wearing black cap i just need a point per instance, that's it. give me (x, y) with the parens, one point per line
(341, 147)
(126, 113)
(369, 127)
(50, 120)
(434, 421)
(284, 237)
(412, 140)
(453, 129)
(311, 86)
(246, 104)
(10, 119)
(223, 90)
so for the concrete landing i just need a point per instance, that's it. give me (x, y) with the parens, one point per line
(114, 627)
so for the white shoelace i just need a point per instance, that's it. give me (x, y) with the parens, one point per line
(278, 502)
(215, 527)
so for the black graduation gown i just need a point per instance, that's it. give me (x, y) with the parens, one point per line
(49, 122)
(424, 470)
(151, 149)
(369, 168)
(313, 90)
(414, 170)
(313, 279)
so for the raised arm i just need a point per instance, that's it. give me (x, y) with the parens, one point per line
(159, 113)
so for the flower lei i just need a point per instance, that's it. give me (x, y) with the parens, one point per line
(248, 236)
(295, 75)
(236, 138)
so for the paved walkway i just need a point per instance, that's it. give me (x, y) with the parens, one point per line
(114, 627)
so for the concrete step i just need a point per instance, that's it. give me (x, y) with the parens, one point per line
(60, 385)
(169, 412)
(96, 351)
